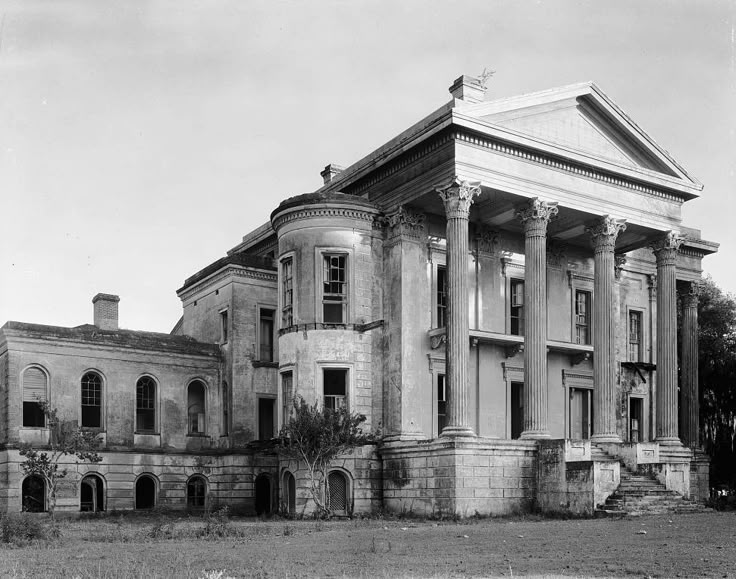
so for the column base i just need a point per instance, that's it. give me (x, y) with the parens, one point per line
(668, 441)
(610, 437)
(455, 431)
(399, 436)
(535, 434)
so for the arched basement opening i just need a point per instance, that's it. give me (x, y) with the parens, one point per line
(34, 494)
(145, 492)
(92, 494)
(263, 495)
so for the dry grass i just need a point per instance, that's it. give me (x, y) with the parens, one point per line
(702, 545)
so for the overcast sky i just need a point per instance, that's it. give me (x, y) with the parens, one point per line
(139, 141)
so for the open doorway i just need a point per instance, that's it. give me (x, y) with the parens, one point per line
(92, 494)
(636, 420)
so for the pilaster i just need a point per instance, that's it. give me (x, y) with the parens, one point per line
(603, 236)
(535, 217)
(665, 250)
(689, 400)
(457, 197)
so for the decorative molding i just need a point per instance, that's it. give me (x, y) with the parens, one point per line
(577, 379)
(308, 212)
(510, 372)
(404, 222)
(556, 253)
(230, 270)
(536, 215)
(513, 350)
(652, 280)
(604, 233)
(487, 241)
(619, 263)
(580, 357)
(458, 196)
(574, 279)
(436, 341)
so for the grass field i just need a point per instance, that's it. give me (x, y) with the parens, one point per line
(697, 545)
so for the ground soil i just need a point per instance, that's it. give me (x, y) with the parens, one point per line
(695, 545)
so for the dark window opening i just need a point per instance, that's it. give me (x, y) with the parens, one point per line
(582, 317)
(517, 409)
(266, 335)
(290, 493)
(338, 495)
(636, 422)
(334, 289)
(145, 405)
(225, 409)
(335, 388)
(196, 408)
(91, 400)
(145, 493)
(196, 492)
(287, 293)
(441, 403)
(33, 494)
(224, 327)
(441, 296)
(287, 395)
(635, 341)
(265, 418)
(34, 393)
(516, 308)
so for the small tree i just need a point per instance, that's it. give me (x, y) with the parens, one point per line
(315, 436)
(66, 439)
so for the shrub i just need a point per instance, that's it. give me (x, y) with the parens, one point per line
(21, 529)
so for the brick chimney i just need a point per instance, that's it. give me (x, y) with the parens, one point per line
(469, 89)
(106, 311)
(330, 172)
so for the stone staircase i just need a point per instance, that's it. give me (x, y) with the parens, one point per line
(641, 494)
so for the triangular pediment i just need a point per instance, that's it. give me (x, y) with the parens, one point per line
(581, 119)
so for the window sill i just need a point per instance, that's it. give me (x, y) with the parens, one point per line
(261, 364)
(196, 435)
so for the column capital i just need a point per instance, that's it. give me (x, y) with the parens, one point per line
(691, 294)
(458, 196)
(604, 233)
(405, 222)
(536, 215)
(665, 248)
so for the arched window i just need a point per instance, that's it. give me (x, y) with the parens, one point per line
(145, 405)
(91, 400)
(289, 493)
(145, 492)
(196, 492)
(92, 494)
(196, 407)
(338, 495)
(35, 385)
(34, 494)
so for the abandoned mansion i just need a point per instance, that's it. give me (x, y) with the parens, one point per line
(497, 289)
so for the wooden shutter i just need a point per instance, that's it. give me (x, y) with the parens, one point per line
(34, 385)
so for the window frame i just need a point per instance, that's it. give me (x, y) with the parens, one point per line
(580, 283)
(156, 402)
(204, 429)
(224, 318)
(515, 282)
(437, 368)
(283, 308)
(23, 401)
(512, 375)
(205, 485)
(588, 316)
(439, 317)
(348, 302)
(578, 380)
(513, 270)
(101, 378)
(260, 308)
(641, 312)
(282, 402)
(349, 394)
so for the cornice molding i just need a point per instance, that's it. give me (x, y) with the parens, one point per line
(311, 212)
(221, 274)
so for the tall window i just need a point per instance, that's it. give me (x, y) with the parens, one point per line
(582, 317)
(225, 409)
(265, 335)
(335, 382)
(635, 340)
(441, 296)
(34, 393)
(196, 492)
(334, 289)
(91, 400)
(441, 403)
(145, 405)
(287, 395)
(223, 326)
(516, 308)
(287, 292)
(196, 408)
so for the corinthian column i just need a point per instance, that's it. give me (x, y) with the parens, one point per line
(604, 236)
(665, 251)
(535, 217)
(690, 403)
(458, 197)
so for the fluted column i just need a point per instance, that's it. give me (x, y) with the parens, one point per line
(535, 217)
(665, 251)
(458, 197)
(690, 402)
(603, 236)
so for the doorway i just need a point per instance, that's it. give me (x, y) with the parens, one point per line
(92, 494)
(263, 495)
(517, 409)
(580, 413)
(636, 421)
